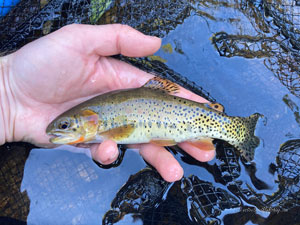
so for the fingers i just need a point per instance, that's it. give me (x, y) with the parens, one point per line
(163, 161)
(168, 167)
(129, 76)
(105, 153)
(115, 74)
(112, 39)
(196, 153)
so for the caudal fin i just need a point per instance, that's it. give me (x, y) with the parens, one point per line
(247, 140)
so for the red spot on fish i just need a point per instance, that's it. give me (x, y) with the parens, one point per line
(81, 139)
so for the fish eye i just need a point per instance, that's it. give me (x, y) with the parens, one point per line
(64, 125)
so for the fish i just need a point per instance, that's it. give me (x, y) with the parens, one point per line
(153, 114)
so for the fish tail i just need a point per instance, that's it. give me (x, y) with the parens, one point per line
(247, 139)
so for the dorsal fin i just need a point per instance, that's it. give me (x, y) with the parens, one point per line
(162, 84)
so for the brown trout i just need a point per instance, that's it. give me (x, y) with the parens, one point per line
(151, 114)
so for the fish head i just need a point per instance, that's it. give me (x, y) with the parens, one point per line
(64, 130)
(73, 128)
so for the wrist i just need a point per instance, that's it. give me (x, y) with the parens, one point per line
(7, 104)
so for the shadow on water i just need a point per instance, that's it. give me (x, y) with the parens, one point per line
(244, 54)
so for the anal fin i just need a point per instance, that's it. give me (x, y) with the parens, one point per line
(203, 144)
(163, 142)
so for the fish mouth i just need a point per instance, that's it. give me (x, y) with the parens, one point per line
(55, 134)
(60, 138)
(54, 137)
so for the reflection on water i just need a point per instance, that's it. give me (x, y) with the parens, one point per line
(293, 107)
(276, 39)
(201, 40)
(70, 188)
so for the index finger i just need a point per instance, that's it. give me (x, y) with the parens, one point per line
(115, 74)
(110, 39)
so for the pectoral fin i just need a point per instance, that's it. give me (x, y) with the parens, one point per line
(163, 142)
(118, 133)
(162, 84)
(203, 144)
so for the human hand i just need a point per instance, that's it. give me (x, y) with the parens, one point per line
(54, 73)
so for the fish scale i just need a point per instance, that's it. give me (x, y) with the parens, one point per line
(159, 115)
(151, 114)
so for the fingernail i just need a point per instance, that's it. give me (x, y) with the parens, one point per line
(114, 156)
(176, 174)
